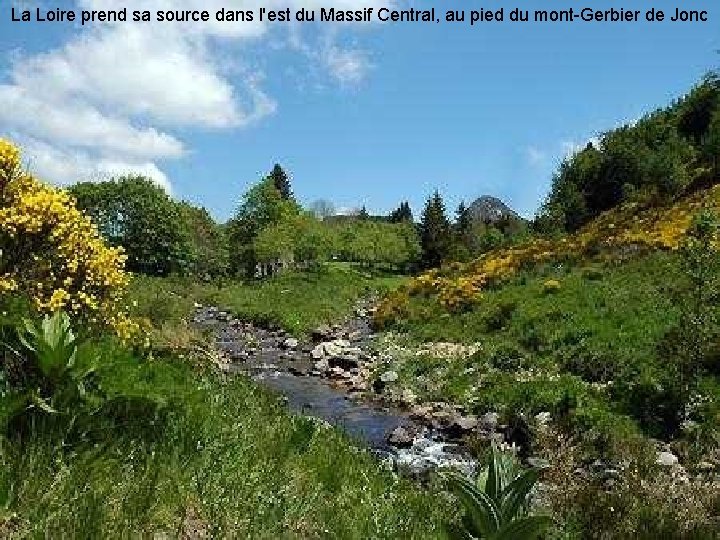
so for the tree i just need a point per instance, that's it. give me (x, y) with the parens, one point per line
(660, 156)
(402, 214)
(435, 236)
(281, 181)
(711, 145)
(208, 240)
(363, 214)
(137, 214)
(462, 234)
(262, 206)
(697, 109)
(463, 220)
(700, 316)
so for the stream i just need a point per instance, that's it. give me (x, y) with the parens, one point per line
(280, 362)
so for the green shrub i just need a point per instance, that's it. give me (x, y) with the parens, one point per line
(55, 378)
(496, 506)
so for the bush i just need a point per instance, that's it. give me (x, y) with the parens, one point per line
(51, 377)
(53, 254)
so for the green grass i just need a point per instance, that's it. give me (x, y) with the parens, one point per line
(221, 456)
(594, 346)
(298, 301)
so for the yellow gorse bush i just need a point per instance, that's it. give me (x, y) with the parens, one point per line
(54, 254)
(459, 285)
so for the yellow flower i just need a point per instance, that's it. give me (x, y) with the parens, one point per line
(69, 265)
(551, 286)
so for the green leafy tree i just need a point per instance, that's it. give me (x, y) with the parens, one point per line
(659, 157)
(209, 242)
(490, 238)
(435, 234)
(711, 146)
(462, 232)
(295, 238)
(262, 206)
(697, 109)
(135, 213)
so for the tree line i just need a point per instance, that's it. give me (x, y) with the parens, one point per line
(162, 236)
(664, 155)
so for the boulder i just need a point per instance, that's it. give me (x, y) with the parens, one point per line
(332, 348)
(666, 459)
(357, 384)
(455, 426)
(422, 412)
(321, 365)
(408, 397)
(339, 373)
(400, 437)
(291, 343)
(321, 333)
(489, 421)
(389, 377)
(318, 352)
(441, 419)
(465, 423)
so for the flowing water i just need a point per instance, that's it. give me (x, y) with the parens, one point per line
(367, 422)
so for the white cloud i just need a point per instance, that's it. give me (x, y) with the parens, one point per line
(67, 167)
(77, 123)
(108, 98)
(535, 156)
(348, 67)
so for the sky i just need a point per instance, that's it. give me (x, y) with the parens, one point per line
(358, 113)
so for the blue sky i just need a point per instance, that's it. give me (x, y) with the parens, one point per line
(359, 114)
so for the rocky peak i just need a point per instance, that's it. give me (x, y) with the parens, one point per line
(488, 209)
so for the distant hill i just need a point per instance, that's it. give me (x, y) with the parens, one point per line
(491, 210)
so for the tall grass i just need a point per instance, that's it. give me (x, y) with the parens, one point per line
(220, 456)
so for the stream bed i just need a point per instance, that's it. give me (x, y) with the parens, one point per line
(264, 355)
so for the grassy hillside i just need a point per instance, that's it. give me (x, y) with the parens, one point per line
(605, 331)
(298, 301)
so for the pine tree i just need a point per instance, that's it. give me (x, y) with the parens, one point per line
(402, 214)
(462, 237)
(435, 234)
(363, 214)
(463, 220)
(281, 181)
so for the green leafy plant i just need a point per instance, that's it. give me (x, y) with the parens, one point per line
(59, 380)
(497, 504)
